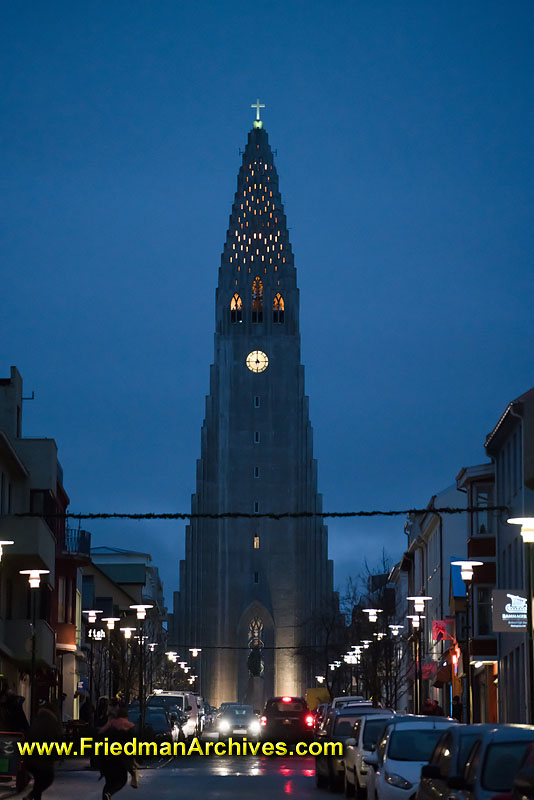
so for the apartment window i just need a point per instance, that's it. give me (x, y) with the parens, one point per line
(256, 542)
(483, 610)
(256, 577)
(256, 437)
(256, 507)
(256, 472)
(257, 401)
(483, 497)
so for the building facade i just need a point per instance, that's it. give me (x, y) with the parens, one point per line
(253, 589)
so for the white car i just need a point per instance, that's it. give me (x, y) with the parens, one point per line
(342, 700)
(405, 748)
(185, 702)
(367, 732)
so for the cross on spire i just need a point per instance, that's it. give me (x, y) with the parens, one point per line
(257, 105)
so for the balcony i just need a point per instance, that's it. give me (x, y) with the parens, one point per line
(34, 543)
(18, 637)
(77, 543)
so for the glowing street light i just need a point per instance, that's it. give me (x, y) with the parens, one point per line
(91, 614)
(419, 602)
(195, 651)
(396, 629)
(415, 618)
(466, 566)
(319, 679)
(128, 632)
(4, 543)
(110, 622)
(373, 613)
(141, 609)
(527, 527)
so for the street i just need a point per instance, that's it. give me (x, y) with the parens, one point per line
(196, 777)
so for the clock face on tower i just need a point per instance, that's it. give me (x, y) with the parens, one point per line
(257, 361)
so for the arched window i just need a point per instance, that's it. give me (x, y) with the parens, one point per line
(278, 308)
(236, 309)
(257, 300)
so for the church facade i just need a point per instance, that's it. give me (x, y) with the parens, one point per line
(253, 588)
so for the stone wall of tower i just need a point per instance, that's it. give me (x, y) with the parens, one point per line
(256, 456)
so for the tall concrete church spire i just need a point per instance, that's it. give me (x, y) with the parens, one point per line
(252, 590)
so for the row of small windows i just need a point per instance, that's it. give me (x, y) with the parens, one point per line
(236, 305)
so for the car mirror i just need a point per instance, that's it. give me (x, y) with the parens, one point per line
(430, 771)
(350, 742)
(371, 760)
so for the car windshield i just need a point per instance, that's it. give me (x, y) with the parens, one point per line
(167, 703)
(413, 745)
(241, 712)
(343, 725)
(374, 728)
(467, 741)
(155, 719)
(501, 764)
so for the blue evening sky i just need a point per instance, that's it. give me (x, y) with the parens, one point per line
(405, 136)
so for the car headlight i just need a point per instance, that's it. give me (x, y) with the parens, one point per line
(224, 726)
(397, 780)
(254, 728)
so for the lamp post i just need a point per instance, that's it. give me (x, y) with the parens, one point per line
(127, 631)
(527, 534)
(467, 566)
(194, 652)
(419, 601)
(141, 609)
(110, 622)
(372, 613)
(91, 619)
(34, 579)
(151, 647)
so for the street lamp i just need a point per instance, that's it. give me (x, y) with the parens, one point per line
(3, 544)
(91, 619)
(194, 652)
(467, 566)
(110, 622)
(419, 601)
(141, 609)
(34, 579)
(319, 679)
(527, 534)
(127, 631)
(373, 613)
(395, 629)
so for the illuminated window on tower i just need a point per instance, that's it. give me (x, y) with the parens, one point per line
(278, 309)
(236, 309)
(257, 300)
(256, 543)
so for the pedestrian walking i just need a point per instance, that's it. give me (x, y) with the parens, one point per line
(45, 728)
(115, 769)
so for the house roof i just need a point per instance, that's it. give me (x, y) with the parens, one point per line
(528, 395)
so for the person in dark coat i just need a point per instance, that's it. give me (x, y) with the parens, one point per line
(115, 769)
(44, 728)
(437, 709)
(428, 708)
(457, 708)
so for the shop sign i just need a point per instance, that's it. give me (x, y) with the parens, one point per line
(509, 611)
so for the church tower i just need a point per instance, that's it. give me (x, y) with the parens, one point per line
(252, 588)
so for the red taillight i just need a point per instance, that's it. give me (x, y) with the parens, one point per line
(263, 720)
(309, 720)
(286, 699)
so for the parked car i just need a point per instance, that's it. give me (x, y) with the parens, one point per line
(286, 719)
(238, 721)
(342, 700)
(405, 748)
(366, 732)
(159, 726)
(185, 702)
(338, 726)
(493, 763)
(448, 760)
(320, 713)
